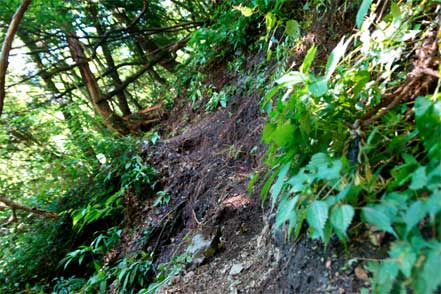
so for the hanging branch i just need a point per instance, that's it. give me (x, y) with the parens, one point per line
(15, 205)
(7, 44)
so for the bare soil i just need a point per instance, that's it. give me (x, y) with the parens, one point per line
(205, 165)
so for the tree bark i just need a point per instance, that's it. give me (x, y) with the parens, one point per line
(112, 120)
(7, 44)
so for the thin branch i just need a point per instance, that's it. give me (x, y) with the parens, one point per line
(7, 44)
(158, 58)
(15, 205)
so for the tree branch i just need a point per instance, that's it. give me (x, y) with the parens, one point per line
(15, 205)
(7, 44)
(175, 47)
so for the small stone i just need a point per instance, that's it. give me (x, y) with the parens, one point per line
(236, 269)
(328, 264)
(360, 273)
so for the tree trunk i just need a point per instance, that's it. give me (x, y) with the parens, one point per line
(47, 78)
(112, 120)
(122, 100)
(7, 44)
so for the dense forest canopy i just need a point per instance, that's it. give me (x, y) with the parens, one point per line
(348, 90)
(72, 61)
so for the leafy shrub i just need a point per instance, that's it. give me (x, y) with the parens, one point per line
(340, 152)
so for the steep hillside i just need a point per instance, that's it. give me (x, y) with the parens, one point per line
(222, 147)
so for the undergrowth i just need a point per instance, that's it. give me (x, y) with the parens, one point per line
(354, 144)
(360, 143)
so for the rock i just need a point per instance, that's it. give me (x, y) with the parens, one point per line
(202, 247)
(236, 269)
(360, 273)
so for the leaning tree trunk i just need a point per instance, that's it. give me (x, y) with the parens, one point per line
(122, 100)
(47, 78)
(7, 45)
(102, 106)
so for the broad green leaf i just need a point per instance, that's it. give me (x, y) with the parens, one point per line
(431, 270)
(386, 276)
(434, 205)
(414, 214)
(330, 171)
(421, 106)
(419, 178)
(341, 218)
(283, 136)
(378, 218)
(309, 58)
(319, 88)
(361, 79)
(267, 132)
(434, 178)
(299, 181)
(324, 167)
(405, 255)
(285, 210)
(364, 9)
(293, 29)
(317, 216)
(278, 185)
(336, 55)
(291, 79)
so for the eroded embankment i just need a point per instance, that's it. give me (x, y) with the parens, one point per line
(211, 216)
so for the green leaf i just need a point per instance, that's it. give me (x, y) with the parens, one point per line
(266, 187)
(267, 132)
(385, 277)
(405, 255)
(336, 55)
(434, 205)
(319, 88)
(395, 11)
(379, 219)
(364, 8)
(283, 136)
(421, 106)
(278, 185)
(317, 216)
(246, 11)
(309, 58)
(324, 167)
(293, 29)
(431, 270)
(270, 21)
(361, 79)
(341, 218)
(414, 214)
(299, 181)
(419, 178)
(434, 178)
(291, 79)
(285, 210)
